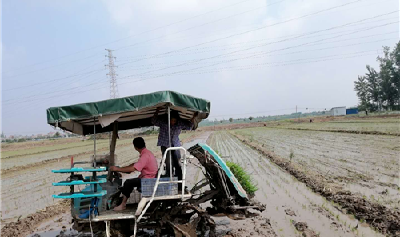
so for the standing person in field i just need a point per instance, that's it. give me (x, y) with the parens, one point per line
(177, 125)
(146, 165)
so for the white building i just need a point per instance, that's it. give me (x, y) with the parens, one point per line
(338, 111)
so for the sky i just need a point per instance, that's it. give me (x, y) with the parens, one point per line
(247, 57)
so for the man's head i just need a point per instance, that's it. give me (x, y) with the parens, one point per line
(174, 117)
(139, 143)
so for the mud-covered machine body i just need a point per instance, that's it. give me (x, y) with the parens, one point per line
(160, 206)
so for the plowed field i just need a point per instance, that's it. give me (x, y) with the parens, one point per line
(288, 200)
(364, 164)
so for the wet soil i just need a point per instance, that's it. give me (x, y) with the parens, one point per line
(40, 213)
(367, 164)
(25, 226)
(257, 226)
(396, 133)
(375, 125)
(35, 183)
(287, 199)
(383, 219)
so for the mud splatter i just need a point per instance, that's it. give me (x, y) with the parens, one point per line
(303, 228)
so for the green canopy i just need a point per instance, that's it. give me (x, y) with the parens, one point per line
(130, 112)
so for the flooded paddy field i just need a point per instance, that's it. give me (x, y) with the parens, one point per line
(347, 161)
(289, 202)
(26, 180)
(383, 126)
(364, 164)
(34, 181)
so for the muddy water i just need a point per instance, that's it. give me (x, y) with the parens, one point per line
(287, 199)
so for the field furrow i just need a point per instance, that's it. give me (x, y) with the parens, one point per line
(287, 199)
(367, 164)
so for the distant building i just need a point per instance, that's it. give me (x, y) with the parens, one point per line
(352, 111)
(338, 111)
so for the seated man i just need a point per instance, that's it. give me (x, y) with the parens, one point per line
(146, 165)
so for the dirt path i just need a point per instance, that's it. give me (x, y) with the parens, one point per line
(288, 200)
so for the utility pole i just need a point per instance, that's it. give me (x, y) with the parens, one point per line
(113, 94)
(112, 74)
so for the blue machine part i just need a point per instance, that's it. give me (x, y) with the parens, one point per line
(80, 202)
(80, 169)
(80, 182)
(226, 169)
(93, 209)
(83, 194)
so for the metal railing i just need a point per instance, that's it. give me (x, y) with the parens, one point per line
(183, 181)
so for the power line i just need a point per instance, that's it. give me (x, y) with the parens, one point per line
(259, 112)
(250, 56)
(275, 64)
(194, 69)
(307, 15)
(152, 77)
(259, 28)
(230, 53)
(42, 69)
(224, 45)
(268, 52)
(144, 32)
(33, 98)
(153, 65)
(204, 24)
(57, 79)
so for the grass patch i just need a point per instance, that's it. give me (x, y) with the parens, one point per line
(244, 179)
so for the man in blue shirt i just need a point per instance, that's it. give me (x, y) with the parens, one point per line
(177, 125)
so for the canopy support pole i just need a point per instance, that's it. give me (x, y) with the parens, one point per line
(170, 142)
(94, 139)
(113, 143)
(94, 152)
(112, 149)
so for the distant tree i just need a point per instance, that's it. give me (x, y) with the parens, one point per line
(2, 135)
(395, 55)
(388, 91)
(373, 88)
(231, 120)
(57, 134)
(381, 90)
(361, 87)
(21, 140)
(250, 118)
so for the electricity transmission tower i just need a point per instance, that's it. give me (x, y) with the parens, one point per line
(112, 75)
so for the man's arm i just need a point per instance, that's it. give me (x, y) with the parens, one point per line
(156, 120)
(188, 125)
(126, 169)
